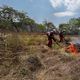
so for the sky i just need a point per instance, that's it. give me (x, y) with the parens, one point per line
(56, 11)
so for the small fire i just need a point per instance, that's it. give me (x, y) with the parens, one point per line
(72, 49)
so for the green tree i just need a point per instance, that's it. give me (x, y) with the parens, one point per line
(49, 26)
(42, 27)
(75, 25)
(14, 20)
(64, 27)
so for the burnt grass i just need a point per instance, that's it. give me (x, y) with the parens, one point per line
(28, 58)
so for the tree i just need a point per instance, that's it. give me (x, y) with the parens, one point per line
(65, 27)
(42, 27)
(49, 26)
(7, 17)
(14, 20)
(75, 25)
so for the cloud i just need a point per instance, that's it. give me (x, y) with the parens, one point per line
(63, 14)
(71, 5)
(56, 3)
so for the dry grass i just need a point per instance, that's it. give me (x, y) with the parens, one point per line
(26, 57)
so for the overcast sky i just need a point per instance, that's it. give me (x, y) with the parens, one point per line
(57, 11)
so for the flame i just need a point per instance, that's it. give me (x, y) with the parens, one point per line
(72, 49)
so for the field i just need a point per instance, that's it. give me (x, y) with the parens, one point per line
(26, 57)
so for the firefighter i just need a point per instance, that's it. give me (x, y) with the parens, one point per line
(61, 36)
(50, 36)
